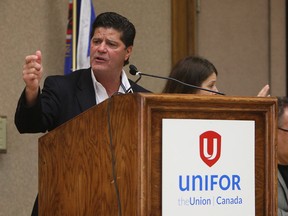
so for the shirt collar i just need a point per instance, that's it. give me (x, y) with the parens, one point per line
(100, 91)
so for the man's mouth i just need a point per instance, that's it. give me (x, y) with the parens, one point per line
(100, 59)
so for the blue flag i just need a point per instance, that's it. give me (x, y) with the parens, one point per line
(77, 54)
(68, 67)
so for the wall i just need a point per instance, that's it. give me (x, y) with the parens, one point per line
(40, 24)
(246, 42)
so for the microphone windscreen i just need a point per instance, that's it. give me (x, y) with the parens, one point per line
(133, 69)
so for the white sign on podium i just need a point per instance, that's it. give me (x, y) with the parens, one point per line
(208, 167)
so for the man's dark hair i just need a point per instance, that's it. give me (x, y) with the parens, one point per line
(119, 23)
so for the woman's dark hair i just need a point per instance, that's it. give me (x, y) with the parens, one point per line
(119, 23)
(192, 70)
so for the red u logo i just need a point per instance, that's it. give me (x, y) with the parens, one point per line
(210, 147)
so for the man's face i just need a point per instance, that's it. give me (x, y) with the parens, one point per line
(283, 140)
(108, 52)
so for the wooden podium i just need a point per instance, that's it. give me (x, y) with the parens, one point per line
(107, 160)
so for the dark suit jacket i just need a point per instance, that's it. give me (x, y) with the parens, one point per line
(61, 99)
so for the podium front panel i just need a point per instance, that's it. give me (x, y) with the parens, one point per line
(108, 160)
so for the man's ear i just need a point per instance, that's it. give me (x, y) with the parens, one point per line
(128, 52)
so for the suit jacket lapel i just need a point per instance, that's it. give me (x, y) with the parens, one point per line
(85, 93)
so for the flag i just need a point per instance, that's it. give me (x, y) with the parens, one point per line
(80, 19)
(68, 53)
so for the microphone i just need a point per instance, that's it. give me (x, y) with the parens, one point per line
(134, 71)
(132, 84)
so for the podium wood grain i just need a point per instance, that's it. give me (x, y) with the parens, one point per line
(75, 159)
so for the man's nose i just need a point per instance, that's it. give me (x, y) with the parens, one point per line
(102, 47)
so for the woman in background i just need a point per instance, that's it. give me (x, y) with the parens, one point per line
(197, 71)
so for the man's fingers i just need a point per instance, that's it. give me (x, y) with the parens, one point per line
(264, 92)
(31, 58)
(39, 56)
(32, 64)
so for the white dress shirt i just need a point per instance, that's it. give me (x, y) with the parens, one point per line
(100, 91)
